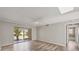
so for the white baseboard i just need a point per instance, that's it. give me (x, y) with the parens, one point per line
(59, 44)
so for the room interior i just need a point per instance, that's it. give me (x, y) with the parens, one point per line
(49, 28)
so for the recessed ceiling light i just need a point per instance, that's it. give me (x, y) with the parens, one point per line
(65, 9)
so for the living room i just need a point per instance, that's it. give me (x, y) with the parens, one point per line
(48, 27)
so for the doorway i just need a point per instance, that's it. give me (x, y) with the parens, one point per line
(72, 31)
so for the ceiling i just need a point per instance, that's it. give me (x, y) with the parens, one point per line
(28, 15)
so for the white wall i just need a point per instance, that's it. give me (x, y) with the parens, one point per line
(55, 33)
(0, 37)
(6, 33)
(34, 33)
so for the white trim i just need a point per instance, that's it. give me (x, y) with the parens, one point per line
(59, 44)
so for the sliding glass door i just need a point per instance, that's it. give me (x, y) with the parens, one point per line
(21, 33)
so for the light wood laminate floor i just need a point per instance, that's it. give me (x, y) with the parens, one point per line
(33, 46)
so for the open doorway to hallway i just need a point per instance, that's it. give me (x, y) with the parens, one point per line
(73, 37)
(22, 34)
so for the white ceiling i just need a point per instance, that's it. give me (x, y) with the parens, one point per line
(28, 15)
